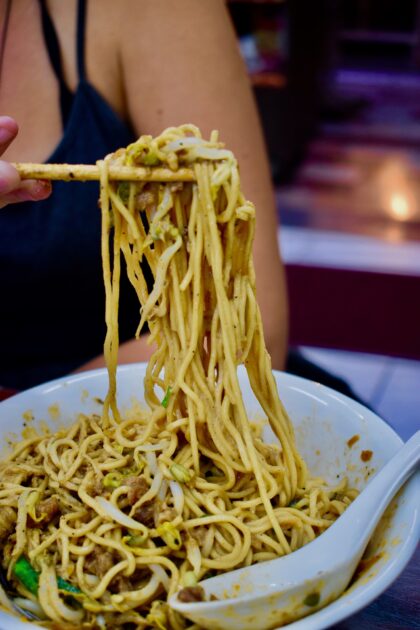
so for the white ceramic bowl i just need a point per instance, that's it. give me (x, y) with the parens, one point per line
(324, 421)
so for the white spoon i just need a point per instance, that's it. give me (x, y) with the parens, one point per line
(280, 591)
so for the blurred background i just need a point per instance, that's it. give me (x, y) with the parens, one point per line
(338, 87)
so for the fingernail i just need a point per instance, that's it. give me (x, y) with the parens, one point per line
(40, 189)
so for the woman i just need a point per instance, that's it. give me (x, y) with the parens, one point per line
(83, 78)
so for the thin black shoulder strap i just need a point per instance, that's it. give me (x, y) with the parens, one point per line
(81, 34)
(53, 49)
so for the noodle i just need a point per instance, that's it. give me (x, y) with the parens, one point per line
(126, 510)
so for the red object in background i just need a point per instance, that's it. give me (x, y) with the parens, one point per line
(7, 393)
(377, 313)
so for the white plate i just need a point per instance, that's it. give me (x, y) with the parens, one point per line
(324, 421)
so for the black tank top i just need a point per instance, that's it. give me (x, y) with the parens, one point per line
(51, 289)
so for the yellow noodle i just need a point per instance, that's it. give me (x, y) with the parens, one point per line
(185, 484)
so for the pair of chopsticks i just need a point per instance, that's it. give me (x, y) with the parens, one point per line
(89, 172)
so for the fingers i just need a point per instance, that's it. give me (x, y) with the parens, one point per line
(8, 132)
(12, 188)
(9, 178)
(28, 190)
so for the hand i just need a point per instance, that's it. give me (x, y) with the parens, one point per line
(12, 188)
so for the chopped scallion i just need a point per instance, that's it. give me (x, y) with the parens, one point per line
(165, 401)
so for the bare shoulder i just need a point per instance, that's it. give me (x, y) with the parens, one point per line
(177, 56)
(174, 23)
(168, 11)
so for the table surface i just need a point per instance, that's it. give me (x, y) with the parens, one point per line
(396, 609)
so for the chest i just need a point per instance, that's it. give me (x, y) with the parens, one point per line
(29, 89)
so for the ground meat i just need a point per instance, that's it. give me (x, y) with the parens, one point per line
(99, 561)
(256, 543)
(120, 584)
(191, 594)
(146, 514)
(145, 200)
(7, 521)
(272, 455)
(199, 533)
(48, 509)
(7, 549)
(166, 514)
(137, 487)
(96, 488)
(204, 437)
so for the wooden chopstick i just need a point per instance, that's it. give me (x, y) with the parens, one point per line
(88, 172)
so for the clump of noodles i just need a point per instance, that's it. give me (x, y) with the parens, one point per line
(127, 510)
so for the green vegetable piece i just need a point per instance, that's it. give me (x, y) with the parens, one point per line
(170, 534)
(135, 541)
(150, 159)
(180, 473)
(123, 191)
(157, 615)
(165, 401)
(112, 480)
(26, 574)
(66, 586)
(190, 579)
(312, 599)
